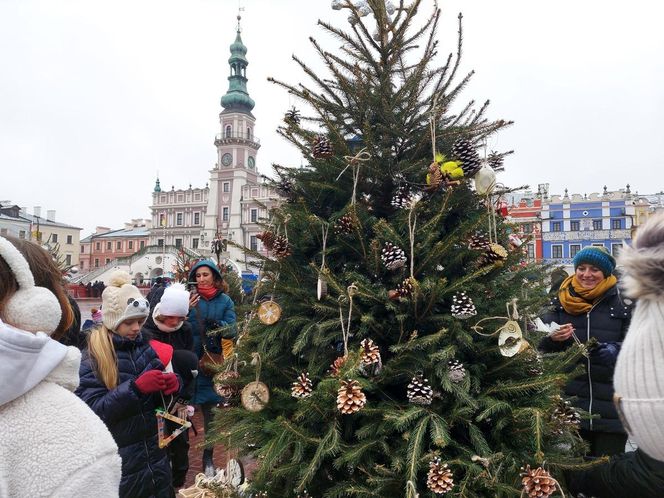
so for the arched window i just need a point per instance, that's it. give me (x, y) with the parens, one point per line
(229, 131)
(249, 133)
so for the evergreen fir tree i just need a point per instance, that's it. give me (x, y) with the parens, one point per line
(480, 428)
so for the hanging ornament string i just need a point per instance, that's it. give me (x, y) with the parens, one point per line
(411, 490)
(256, 360)
(345, 327)
(412, 223)
(324, 228)
(167, 406)
(354, 162)
(512, 315)
(432, 126)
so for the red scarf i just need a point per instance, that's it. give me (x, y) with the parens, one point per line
(208, 291)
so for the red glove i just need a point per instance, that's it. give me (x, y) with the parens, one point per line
(151, 381)
(172, 384)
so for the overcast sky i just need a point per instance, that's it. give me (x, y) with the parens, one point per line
(96, 97)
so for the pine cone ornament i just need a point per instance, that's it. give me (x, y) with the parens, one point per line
(440, 479)
(281, 247)
(419, 391)
(336, 366)
(285, 188)
(292, 116)
(350, 398)
(496, 161)
(345, 224)
(321, 147)
(479, 241)
(402, 197)
(267, 237)
(370, 361)
(494, 255)
(462, 306)
(465, 152)
(221, 385)
(534, 363)
(434, 176)
(456, 372)
(405, 288)
(302, 387)
(564, 417)
(537, 483)
(392, 256)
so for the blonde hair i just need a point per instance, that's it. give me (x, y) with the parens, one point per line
(104, 359)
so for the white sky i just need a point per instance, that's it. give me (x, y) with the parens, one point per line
(97, 96)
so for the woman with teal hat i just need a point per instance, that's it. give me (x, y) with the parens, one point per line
(587, 306)
(213, 309)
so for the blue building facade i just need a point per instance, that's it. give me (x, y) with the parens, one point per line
(570, 223)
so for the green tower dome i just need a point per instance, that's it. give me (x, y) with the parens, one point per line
(237, 97)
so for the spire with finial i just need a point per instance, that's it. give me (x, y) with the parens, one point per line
(606, 192)
(566, 196)
(157, 186)
(237, 97)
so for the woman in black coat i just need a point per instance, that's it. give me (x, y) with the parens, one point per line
(589, 305)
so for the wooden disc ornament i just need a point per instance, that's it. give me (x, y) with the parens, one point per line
(269, 312)
(255, 396)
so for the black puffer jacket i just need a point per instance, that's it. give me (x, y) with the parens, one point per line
(130, 416)
(628, 475)
(608, 322)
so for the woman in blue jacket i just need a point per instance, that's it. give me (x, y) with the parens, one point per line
(122, 380)
(212, 310)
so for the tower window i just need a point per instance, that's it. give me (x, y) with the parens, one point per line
(229, 131)
(249, 133)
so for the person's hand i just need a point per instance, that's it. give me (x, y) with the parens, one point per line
(151, 381)
(194, 297)
(172, 383)
(563, 333)
(606, 353)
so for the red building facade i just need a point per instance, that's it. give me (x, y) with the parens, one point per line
(526, 215)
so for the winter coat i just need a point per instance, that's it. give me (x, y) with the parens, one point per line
(593, 390)
(52, 444)
(220, 310)
(130, 416)
(628, 475)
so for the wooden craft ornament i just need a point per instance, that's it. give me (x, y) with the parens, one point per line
(255, 395)
(269, 312)
(162, 416)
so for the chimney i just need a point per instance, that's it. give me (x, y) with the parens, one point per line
(50, 215)
(37, 211)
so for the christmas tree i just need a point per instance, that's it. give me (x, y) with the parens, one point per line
(392, 358)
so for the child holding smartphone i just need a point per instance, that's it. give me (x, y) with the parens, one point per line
(122, 380)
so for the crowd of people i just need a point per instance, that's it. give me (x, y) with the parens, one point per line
(84, 418)
(89, 397)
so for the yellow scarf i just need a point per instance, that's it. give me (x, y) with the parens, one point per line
(576, 300)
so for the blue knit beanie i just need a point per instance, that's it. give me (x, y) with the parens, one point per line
(597, 256)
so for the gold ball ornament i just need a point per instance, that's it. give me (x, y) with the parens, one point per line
(269, 312)
(255, 396)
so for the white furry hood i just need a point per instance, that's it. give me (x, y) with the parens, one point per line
(26, 359)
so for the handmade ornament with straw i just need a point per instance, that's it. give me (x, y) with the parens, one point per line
(510, 337)
(354, 163)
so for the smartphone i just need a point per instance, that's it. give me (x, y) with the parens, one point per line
(193, 288)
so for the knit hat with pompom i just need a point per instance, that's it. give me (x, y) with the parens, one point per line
(639, 390)
(122, 301)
